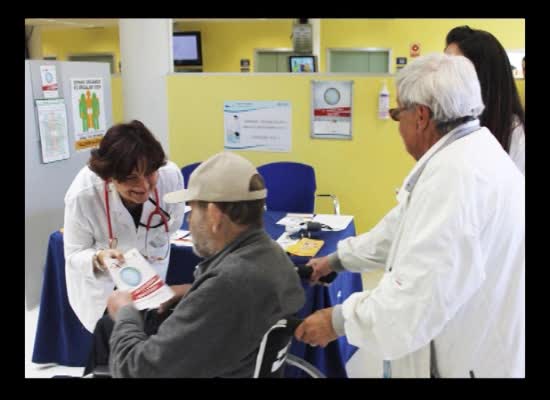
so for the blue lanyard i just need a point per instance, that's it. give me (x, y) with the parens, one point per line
(458, 133)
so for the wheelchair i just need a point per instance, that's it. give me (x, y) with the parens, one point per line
(273, 352)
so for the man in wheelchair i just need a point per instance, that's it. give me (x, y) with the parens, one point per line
(245, 285)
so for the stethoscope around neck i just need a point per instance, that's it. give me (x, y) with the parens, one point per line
(113, 241)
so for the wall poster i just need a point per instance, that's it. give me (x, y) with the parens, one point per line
(331, 109)
(257, 125)
(88, 112)
(54, 137)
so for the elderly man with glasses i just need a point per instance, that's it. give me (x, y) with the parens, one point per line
(451, 302)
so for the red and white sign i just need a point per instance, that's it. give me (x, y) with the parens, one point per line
(49, 81)
(331, 109)
(415, 49)
(333, 112)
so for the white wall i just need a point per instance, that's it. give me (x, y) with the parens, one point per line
(146, 59)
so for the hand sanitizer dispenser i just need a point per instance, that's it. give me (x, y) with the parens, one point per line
(384, 102)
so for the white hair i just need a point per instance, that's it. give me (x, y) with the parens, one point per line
(447, 85)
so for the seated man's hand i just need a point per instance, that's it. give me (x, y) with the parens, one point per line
(317, 329)
(179, 292)
(116, 300)
(320, 267)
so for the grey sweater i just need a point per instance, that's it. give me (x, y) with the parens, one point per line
(216, 329)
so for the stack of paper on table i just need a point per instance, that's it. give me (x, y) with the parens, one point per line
(138, 277)
(285, 240)
(292, 219)
(336, 222)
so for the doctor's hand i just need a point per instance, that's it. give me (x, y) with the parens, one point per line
(108, 253)
(320, 267)
(317, 329)
(116, 300)
(179, 292)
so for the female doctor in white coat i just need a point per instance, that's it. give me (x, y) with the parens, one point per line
(114, 204)
(451, 302)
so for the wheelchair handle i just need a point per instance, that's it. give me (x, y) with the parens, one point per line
(292, 323)
(305, 271)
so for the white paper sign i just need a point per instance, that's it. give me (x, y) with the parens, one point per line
(54, 136)
(48, 76)
(88, 112)
(331, 109)
(257, 125)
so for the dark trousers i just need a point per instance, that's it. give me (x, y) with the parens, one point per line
(99, 354)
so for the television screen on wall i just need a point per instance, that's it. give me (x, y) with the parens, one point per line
(187, 48)
(302, 63)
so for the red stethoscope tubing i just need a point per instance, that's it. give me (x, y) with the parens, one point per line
(155, 211)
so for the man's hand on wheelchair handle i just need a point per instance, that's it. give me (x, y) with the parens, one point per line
(320, 267)
(317, 329)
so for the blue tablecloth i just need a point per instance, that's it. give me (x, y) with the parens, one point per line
(62, 339)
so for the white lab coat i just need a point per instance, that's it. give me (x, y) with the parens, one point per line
(517, 145)
(457, 252)
(86, 231)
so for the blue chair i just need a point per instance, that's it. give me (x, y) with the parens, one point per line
(291, 187)
(186, 171)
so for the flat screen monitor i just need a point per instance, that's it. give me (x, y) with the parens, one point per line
(302, 63)
(187, 48)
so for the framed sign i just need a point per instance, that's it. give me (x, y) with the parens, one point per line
(331, 109)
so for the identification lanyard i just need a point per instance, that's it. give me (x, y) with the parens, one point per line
(459, 132)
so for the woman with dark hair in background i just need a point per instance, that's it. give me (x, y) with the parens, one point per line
(503, 115)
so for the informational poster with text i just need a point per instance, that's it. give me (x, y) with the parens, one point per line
(257, 125)
(331, 109)
(88, 112)
(136, 276)
(54, 136)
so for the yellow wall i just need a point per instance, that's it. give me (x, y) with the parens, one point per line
(118, 101)
(520, 84)
(64, 42)
(224, 44)
(398, 34)
(363, 172)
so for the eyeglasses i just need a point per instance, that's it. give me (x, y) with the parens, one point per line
(394, 112)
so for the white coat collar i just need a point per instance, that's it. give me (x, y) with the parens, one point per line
(436, 146)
